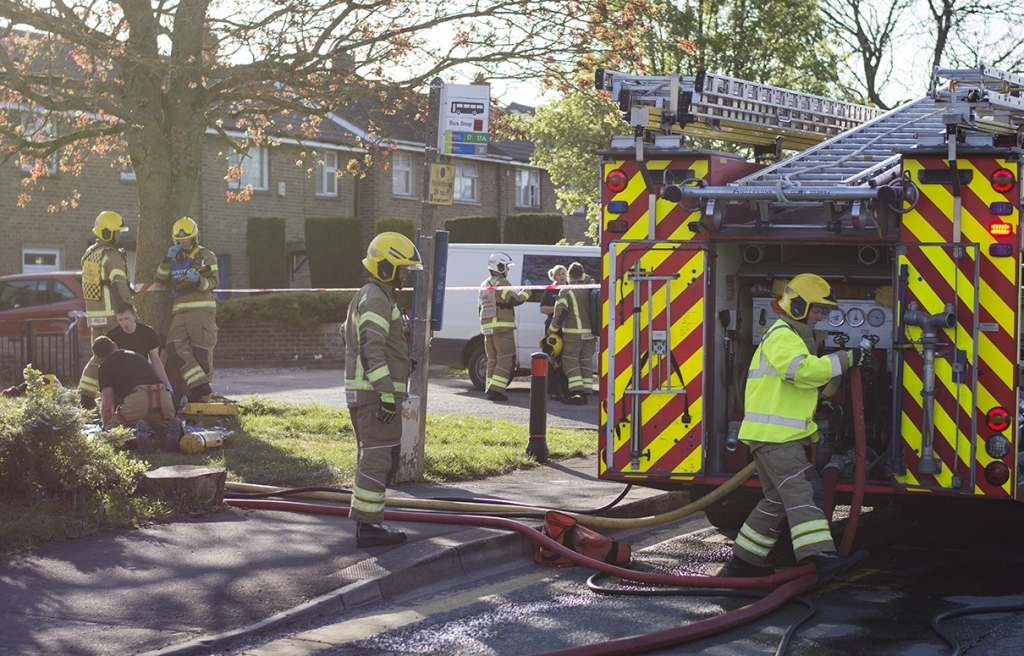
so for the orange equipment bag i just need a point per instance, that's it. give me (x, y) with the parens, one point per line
(566, 531)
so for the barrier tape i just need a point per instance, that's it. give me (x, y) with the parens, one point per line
(157, 287)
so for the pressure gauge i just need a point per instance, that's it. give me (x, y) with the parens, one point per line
(836, 317)
(876, 317)
(855, 317)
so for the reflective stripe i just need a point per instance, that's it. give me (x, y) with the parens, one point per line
(775, 420)
(754, 542)
(358, 385)
(399, 387)
(89, 384)
(811, 532)
(837, 364)
(195, 304)
(114, 273)
(194, 374)
(375, 318)
(791, 371)
(378, 373)
(499, 324)
(764, 370)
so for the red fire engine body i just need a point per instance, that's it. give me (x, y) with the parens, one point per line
(913, 216)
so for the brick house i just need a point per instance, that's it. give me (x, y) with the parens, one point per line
(499, 184)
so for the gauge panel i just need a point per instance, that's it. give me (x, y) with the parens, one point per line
(854, 318)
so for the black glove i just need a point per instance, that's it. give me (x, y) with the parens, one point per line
(414, 363)
(858, 357)
(386, 413)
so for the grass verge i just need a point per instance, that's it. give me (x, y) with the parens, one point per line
(290, 445)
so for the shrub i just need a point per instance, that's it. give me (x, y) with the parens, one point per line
(45, 453)
(534, 229)
(402, 226)
(473, 230)
(335, 250)
(265, 246)
(303, 310)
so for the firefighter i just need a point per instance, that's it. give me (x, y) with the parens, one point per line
(191, 272)
(572, 318)
(378, 363)
(498, 323)
(105, 285)
(781, 397)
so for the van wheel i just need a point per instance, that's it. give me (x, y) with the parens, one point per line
(478, 368)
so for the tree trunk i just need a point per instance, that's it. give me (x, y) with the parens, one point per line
(185, 481)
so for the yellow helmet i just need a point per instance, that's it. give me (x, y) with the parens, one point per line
(107, 225)
(184, 229)
(803, 291)
(552, 345)
(387, 252)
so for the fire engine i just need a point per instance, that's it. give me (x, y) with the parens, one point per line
(913, 217)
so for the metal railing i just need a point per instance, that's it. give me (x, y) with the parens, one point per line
(50, 351)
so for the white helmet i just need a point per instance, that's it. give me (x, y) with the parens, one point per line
(499, 263)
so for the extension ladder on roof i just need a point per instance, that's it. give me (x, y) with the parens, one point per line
(987, 98)
(729, 109)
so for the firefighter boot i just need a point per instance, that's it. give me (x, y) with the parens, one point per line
(737, 568)
(494, 395)
(143, 437)
(173, 435)
(830, 564)
(377, 535)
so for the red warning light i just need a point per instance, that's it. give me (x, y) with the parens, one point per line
(1000, 229)
(1003, 180)
(616, 181)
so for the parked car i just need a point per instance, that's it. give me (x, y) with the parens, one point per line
(47, 297)
(459, 343)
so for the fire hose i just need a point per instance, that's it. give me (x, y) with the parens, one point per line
(790, 583)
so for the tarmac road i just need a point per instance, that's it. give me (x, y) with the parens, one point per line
(447, 394)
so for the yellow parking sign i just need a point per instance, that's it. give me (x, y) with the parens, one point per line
(442, 184)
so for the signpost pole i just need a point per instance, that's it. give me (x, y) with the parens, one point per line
(421, 323)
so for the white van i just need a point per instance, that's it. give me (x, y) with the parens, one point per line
(460, 344)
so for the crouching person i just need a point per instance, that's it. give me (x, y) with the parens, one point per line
(132, 394)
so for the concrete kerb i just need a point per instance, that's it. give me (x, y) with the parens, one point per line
(413, 568)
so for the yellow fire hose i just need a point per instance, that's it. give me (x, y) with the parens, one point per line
(590, 521)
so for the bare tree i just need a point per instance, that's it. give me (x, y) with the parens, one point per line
(148, 78)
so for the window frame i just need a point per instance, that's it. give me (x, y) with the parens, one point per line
(41, 250)
(461, 178)
(396, 168)
(327, 174)
(531, 188)
(241, 182)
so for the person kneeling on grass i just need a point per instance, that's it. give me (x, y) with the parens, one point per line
(132, 394)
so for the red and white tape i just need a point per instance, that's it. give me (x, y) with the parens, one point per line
(157, 287)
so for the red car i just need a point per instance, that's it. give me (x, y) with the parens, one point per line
(52, 295)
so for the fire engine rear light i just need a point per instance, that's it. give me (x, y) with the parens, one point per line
(1003, 180)
(997, 446)
(1000, 229)
(997, 419)
(996, 473)
(1000, 209)
(1000, 250)
(617, 226)
(618, 207)
(616, 181)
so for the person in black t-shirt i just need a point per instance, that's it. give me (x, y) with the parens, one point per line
(145, 401)
(133, 335)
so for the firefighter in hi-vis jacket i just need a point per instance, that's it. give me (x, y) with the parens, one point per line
(192, 274)
(105, 285)
(572, 318)
(378, 364)
(498, 324)
(782, 394)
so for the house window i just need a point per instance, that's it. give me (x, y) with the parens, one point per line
(37, 130)
(326, 176)
(465, 182)
(527, 188)
(254, 169)
(401, 174)
(128, 174)
(38, 260)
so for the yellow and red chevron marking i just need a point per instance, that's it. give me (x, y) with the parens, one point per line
(675, 449)
(936, 278)
(671, 221)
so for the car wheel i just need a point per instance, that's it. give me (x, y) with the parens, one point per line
(478, 368)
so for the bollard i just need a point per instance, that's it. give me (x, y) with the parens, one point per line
(538, 446)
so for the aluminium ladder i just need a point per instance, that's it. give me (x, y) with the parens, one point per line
(730, 109)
